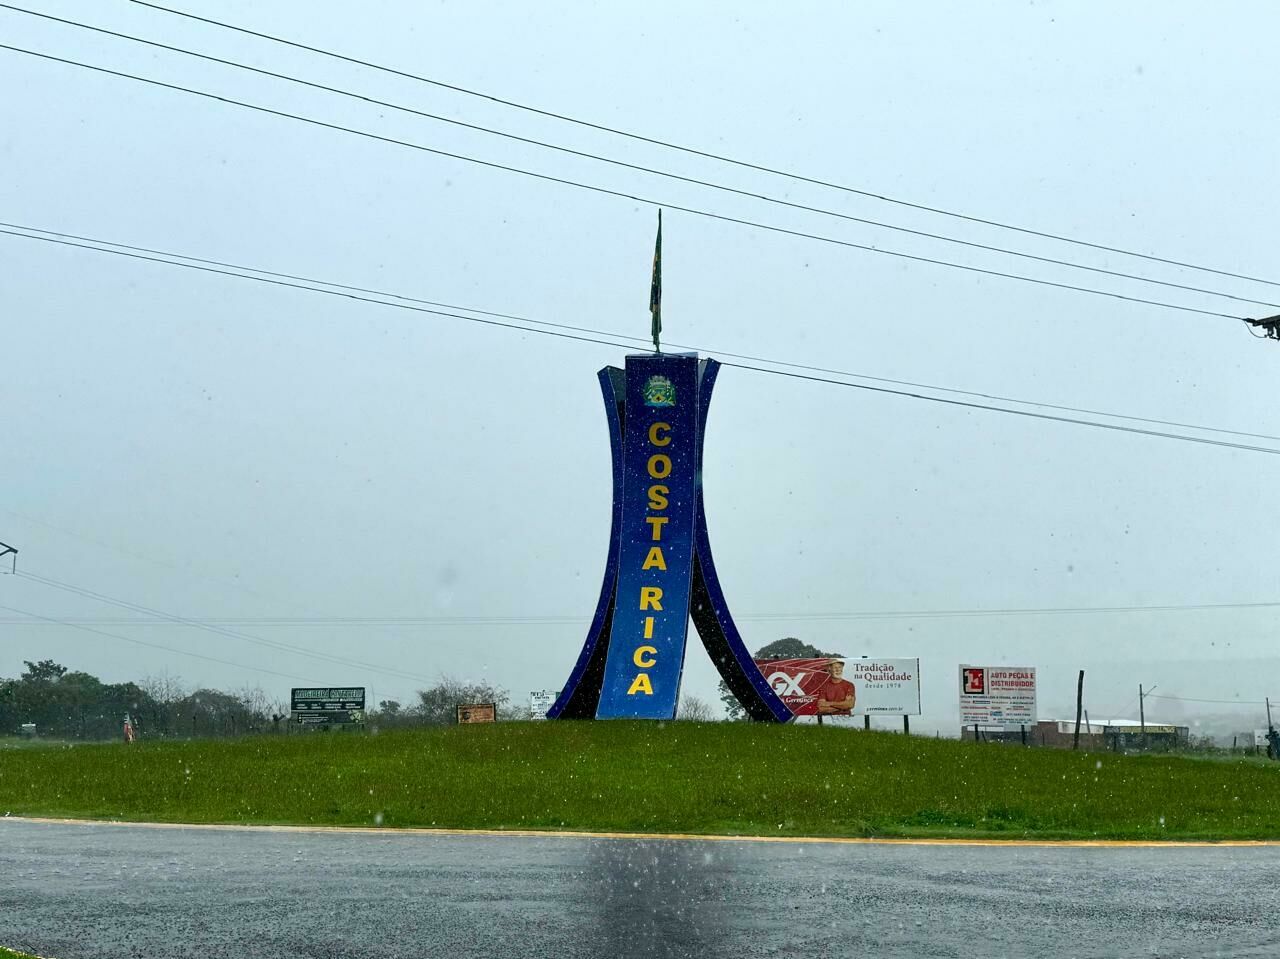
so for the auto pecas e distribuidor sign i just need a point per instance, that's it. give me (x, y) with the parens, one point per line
(845, 687)
(1003, 696)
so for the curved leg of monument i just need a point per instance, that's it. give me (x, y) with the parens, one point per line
(581, 695)
(709, 609)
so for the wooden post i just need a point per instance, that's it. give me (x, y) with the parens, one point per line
(1023, 727)
(1075, 743)
(906, 725)
(866, 721)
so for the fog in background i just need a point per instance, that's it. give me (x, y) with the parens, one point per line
(227, 450)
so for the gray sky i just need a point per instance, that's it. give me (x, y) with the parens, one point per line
(223, 449)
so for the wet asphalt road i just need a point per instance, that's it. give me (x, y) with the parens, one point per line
(108, 892)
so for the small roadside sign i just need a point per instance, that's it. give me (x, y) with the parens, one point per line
(478, 713)
(540, 700)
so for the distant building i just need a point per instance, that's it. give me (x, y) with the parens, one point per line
(1117, 735)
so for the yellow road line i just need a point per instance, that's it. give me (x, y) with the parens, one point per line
(674, 836)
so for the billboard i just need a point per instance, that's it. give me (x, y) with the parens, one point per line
(327, 705)
(328, 717)
(845, 687)
(1003, 696)
(328, 698)
(478, 713)
(540, 700)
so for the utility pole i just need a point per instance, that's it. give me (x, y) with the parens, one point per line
(1270, 326)
(1075, 742)
(1273, 738)
(7, 550)
(1142, 712)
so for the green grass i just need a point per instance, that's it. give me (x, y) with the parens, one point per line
(10, 954)
(648, 777)
(26, 742)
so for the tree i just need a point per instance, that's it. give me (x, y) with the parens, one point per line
(44, 671)
(695, 710)
(789, 647)
(389, 714)
(211, 712)
(438, 705)
(68, 704)
(76, 705)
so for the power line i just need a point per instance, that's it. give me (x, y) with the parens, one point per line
(312, 289)
(1040, 416)
(320, 282)
(1015, 611)
(695, 152)
(562, 620)
(224, 581)
(219, 630)
(637, 339)
(597, 340)
(1220, 702)
(138, 642)
(778, 201)
(621, 194)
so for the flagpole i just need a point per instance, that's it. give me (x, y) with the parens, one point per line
(655, 290)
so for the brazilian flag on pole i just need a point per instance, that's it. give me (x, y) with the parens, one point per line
(655, 289)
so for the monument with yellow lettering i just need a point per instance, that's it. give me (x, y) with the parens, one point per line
(659, 572)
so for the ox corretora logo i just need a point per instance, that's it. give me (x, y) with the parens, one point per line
(785, 684)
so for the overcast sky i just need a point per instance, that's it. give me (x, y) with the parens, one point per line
(222, 449)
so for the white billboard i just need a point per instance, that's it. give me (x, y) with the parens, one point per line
(1003, 696)
(540, 700)
(835, 689)
(885, 687)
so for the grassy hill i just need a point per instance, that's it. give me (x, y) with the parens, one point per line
(648, 777)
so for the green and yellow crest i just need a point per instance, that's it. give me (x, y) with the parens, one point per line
(659, 391)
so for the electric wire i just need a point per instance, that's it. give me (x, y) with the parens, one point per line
(778, 201)
(597, 340)
(1220, 702)
(695, 152)
(139, 642)
(775, 617)
(649, 201)
(1026, 413)
(219, 630)
(312, 289)
(639, 339)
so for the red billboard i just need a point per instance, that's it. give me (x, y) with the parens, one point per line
(810, 687)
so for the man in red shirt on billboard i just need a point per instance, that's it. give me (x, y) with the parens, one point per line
(835, 695)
